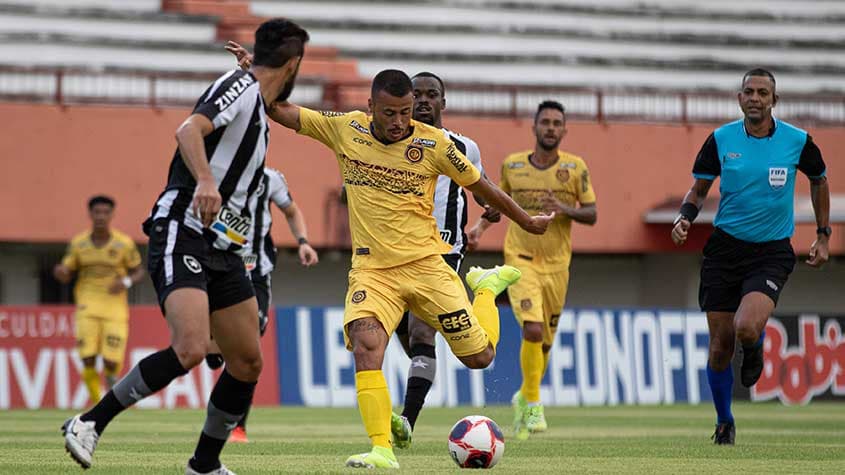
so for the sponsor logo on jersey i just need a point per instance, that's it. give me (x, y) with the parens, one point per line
(777, 177)
(362, 251)
(360, 128)
(455, 322)
(452, 155)
(514, 165)
(445, 235)
(359, 296)
(427, 143)
(332, 113)
(232, 226)
(568, 165)
(362, 141)
(562, 175)
(772, 285)
(235, 90)
(733, 155)
(414, 153)
(585, 181)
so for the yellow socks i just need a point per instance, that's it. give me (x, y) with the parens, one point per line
(546, 354)
(374, 405)
(531, 361)
(484, 308)
(92, 381)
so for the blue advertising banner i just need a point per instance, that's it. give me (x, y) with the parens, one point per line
(599, 357)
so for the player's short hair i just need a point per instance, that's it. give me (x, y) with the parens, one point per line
(426, 74)
(394, 82)
(549, 104)
(758, 72)
(277, 41)
(100, 200)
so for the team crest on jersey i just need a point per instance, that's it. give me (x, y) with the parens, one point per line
(427, 143)
(359, 296)
(414, 153)
(112, 253)
(777, 177)
(562, 175)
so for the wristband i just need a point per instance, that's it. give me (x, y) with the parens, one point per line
(127, 281)
(302, 241)
(689, 211)
(824, 230)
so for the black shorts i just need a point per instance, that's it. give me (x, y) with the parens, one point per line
(263, 291)
(733, 268)
(454, 261)
(180, 257)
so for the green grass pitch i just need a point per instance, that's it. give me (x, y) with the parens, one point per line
(662, 439)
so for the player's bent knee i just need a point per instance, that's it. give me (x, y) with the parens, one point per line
(246, 367)
(479, 360)
(533, 332)
(190, 353)
(746, 333)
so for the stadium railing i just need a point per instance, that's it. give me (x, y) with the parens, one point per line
(67, 86)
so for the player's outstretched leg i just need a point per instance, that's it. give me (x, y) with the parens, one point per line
(368, 340)
(420, 379)
(486, 284)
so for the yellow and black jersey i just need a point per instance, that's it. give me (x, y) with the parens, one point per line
(569, 181)
(390, 187)
(97, 268)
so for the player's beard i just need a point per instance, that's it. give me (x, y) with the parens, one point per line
(545, 147)
(287, 90)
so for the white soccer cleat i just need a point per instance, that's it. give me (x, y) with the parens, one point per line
(219, 471)
(80, 439)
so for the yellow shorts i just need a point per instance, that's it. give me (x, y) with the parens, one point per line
(427, 287)
(538, 297)
(97, 335)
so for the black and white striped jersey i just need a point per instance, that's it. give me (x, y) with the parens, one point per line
(450, 200)
(261, 258)
(235, 151)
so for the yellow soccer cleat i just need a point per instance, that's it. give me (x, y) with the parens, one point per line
(535, 420)
(401, 430)
(520, 413)
(379, 457)
(496, 279)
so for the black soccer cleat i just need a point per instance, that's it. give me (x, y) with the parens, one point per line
(214, 360)
(752, 365)
(725, 434)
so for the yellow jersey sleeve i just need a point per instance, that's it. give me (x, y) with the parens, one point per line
(131, 256)
(451, 162)
(585, 192)
(504, 184)
(71, 257)
(322, 126)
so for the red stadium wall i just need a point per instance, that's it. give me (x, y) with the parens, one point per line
(54, 158)
(39, 367)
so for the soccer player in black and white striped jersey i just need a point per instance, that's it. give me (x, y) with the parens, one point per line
(198, 228)
(260, 259)
(450, 212)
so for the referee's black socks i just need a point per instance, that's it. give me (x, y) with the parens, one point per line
(226, 407)
(150, 375)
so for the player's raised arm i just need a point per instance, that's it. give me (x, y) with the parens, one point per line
(504, 203)
(286, 114)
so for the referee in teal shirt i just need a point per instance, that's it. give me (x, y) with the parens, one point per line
(748, 258)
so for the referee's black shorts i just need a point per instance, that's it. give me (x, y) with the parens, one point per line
(179, 257)
(732, 268)
(454, 261)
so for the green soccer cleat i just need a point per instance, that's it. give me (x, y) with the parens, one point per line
(496, 279)
(379, 457)
(520, 413)
(535, 420)
(401, 429)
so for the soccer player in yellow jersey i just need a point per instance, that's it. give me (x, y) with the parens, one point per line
(107, 263)
(541, 180)
(390, 164)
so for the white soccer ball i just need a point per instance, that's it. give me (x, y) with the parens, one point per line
(476, 442)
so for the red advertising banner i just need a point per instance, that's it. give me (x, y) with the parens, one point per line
(39, 367)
